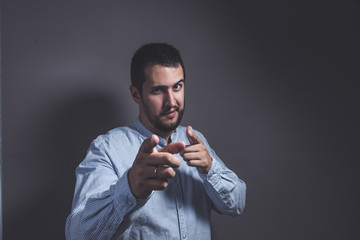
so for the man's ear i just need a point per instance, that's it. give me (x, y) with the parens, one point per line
(135, 93)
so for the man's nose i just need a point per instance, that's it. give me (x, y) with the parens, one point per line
(170, 99)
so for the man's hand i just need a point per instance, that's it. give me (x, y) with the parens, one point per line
(196, 154)
(152, 168)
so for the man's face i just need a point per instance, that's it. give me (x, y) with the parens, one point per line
(162, 99)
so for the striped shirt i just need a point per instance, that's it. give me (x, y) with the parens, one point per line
(105, 208)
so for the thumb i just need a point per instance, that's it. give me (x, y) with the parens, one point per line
(149, 144)
(193, 139)
(174, 147)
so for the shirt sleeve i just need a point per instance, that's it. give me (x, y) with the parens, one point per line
(102, 197)
(226, 191)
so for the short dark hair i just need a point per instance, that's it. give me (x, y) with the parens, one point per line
(153, 54)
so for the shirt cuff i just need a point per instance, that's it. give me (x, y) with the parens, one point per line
(213, 175)
(214, 179)
(125, 201)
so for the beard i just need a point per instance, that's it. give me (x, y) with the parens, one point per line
(168, 127)
(158, 123)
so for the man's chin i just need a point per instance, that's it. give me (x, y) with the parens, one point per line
(168, 125)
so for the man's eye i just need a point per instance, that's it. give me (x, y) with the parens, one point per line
(177, 86)
(156, 90)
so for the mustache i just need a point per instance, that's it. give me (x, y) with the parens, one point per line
(168, 109)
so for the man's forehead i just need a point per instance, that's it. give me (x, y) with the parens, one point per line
(163, 75)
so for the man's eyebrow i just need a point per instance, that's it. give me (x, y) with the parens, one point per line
(158, 87)
(164, 86)
(181, 81)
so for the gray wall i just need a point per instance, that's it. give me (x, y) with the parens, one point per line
(272, 84)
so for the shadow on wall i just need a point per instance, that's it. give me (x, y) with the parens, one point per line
(59, 142)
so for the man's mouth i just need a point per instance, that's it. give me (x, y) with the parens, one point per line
(170, 113)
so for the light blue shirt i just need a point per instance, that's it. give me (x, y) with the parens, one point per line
(105, 208)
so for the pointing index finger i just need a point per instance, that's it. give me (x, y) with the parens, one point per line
(149, 144)
(193, 139)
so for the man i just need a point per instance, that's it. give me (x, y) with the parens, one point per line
(153, 179)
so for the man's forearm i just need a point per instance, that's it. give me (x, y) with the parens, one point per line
(225, 189)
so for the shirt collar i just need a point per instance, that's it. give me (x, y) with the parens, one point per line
(147, 133)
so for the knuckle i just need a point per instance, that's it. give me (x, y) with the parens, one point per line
(170, 172)
(171, 159)
(164, 184)
(177, 162)
(167, 158)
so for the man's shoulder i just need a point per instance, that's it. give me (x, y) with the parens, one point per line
(126, 129)
(122, 134)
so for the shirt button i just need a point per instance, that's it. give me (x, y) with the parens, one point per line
(180, 206)
(184, 236)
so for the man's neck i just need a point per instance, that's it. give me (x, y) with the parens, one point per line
(165, 135)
